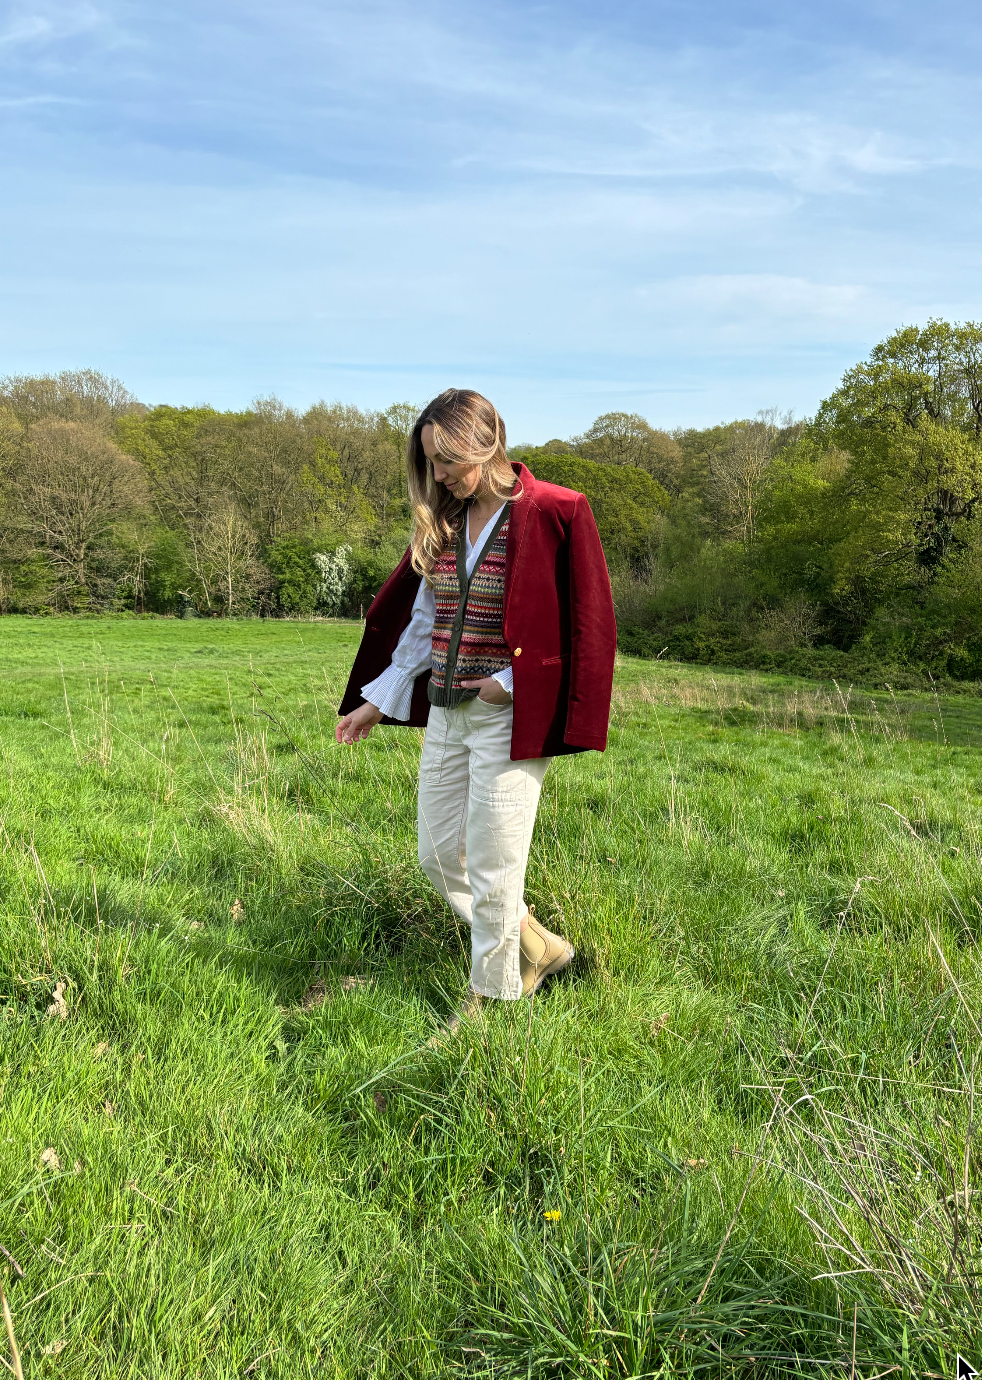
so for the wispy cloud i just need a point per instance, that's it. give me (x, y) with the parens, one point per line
(39, 27)
(704, 203)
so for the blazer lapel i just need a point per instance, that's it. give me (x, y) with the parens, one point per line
(518, 517)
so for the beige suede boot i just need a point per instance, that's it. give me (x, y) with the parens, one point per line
(542, 954)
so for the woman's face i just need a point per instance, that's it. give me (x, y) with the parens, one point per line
(461, 480)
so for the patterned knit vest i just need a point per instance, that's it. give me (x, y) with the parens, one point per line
(468, 640)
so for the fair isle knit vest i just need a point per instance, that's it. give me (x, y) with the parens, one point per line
(468, 641)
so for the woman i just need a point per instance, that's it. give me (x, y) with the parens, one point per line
(496, 631)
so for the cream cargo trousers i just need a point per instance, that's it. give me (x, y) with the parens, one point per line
(476, 814)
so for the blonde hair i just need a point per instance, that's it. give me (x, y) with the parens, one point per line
(468, 431)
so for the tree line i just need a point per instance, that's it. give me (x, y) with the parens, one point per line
(107, 505)
(849, 542)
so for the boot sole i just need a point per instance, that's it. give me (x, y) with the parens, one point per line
(556, 966)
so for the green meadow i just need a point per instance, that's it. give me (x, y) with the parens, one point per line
(736, 1138)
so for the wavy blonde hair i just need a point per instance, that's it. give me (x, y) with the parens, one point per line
(468, 431)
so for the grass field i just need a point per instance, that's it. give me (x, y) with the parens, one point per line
(737, 1138)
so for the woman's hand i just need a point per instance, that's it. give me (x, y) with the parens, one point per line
(491, 691)
(358, 724)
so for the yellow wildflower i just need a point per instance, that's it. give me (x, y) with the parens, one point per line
(553, 1216)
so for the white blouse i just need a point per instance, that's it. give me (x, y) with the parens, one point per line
(392, 691)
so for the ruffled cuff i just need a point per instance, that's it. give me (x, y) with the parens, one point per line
(391, 692)
(506, 679)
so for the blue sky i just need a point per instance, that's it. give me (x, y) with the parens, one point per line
(691, 210)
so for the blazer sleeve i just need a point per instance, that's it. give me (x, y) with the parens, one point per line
(389, 613)
(593, 634)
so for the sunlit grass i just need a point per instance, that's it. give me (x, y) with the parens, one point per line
(749, 1102)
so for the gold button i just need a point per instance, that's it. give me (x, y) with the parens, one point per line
(517, 651)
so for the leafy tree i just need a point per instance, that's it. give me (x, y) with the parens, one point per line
(368, 458)
(275, 458)
(627, 503)
(17, 549)
(371, 565)
(168, 570)
(797, 523)
(911, 419)
(625, 438)
(297, 580)
(74, 395)
(12, 434)
(931, 372)
(553, 447)
(738, 472)
(185, 454)
(27, 582)
(949, 632)
(68, 491)
(226, 561)
(724, 469)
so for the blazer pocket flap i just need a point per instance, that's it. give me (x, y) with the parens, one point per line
(555, 660)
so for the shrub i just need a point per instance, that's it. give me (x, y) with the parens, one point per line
(291, 562)
(168, 571)
(627, 503)
(334, 570)
(27, 585)
(371, 566)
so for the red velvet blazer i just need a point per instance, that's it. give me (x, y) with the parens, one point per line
(558, 622)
